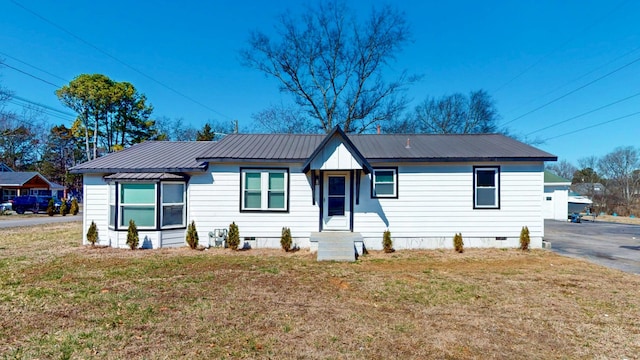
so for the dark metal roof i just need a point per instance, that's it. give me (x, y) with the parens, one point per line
(411, 147)
(145, 176)
(151, 157)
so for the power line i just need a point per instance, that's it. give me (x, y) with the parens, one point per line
(117, 59)
(32, 66)
(560, 47)
(592, 126)
(46, 112)
(578, 78)
(28, 74)
(43, 106)
(583, 114)
(573, 91)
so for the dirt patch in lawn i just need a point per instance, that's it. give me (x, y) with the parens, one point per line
(59, 299)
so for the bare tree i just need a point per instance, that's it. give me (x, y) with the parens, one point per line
(455, 114)
(177, 129)
(332, 64)
(619, 167)
(563, 168)
(282, 119)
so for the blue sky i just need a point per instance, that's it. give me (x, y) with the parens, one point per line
(583, 54)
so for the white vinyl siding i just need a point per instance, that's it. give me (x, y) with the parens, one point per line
(486, 191)
(264, 189)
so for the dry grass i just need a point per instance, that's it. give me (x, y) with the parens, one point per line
(59, 299)
(615, 219)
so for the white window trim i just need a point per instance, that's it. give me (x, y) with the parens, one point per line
(374, 183)
(113, 190)
(264, 188)
(154, 204)
(496, 174)
(183, 203)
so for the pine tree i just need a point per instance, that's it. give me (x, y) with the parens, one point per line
(92, 234)
(51, 208)
(387, 243)
(234, 236)
(132, 235)
(285, 239)
(192, 235)
(74, 207)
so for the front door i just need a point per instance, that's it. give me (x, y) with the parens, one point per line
(336, 213)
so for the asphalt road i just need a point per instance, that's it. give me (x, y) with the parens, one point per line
(20, 220)
(613, 245)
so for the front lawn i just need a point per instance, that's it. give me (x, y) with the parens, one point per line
(59, 299)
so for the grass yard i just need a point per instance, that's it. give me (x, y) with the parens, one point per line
(59, 299)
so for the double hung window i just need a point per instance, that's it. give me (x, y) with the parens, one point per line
(264, 189)
(384, 183)
(486, 187)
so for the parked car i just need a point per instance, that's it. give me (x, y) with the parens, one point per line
(35, 204)
(5, 206)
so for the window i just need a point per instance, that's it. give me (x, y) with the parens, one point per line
(138, 203)
(264, 189)
(112, 205)
(486, 187)
(384, 183)
(173, 213)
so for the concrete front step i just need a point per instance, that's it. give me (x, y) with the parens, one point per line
(336, 245)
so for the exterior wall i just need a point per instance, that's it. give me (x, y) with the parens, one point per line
(335, 156)
(435, 201)
(95, 207)
(214, 203)
(558, 207)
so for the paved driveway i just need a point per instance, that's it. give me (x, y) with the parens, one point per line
(612, 245)
(19, 220)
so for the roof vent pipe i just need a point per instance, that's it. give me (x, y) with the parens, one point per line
(408, 146)
(378, 128)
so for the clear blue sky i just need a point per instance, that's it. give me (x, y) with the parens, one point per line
(524, 53)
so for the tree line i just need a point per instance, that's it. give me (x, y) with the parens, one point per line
(611, 181)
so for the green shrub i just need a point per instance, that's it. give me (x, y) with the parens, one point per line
(51, 208)
(387, 243)
(524, 238)
(92, 234)
(64, 210)
(74, 209)
(233, 240)
(285, 239)
(458, 244)
(132, 235)
(192, 235)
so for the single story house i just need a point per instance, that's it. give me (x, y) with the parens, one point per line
(556, 196)
(422, 188)
(16, 183)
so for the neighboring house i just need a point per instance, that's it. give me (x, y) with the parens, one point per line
(16, 183)
(423, 188)
(556, 196)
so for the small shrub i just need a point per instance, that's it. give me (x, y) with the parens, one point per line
(74, 209)
(64, 210)
(233, 239)
(524, 238)
(458, 244)
(133, 239)
(387, 243)
(92, 234)
(192, 235)
(285, 239)
(51, 207)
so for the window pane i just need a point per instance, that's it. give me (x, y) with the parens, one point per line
(336, 185)
(112, 215)
(172, 193)
(112, 194)
(384, 176)
(172, 215)
(336, 206)
(486, 178)
(486, 197)
(137, 193)
(252, 181)
(252, 200)
(385, 189)
(276, 181)
(142, 215)
(276, 200)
